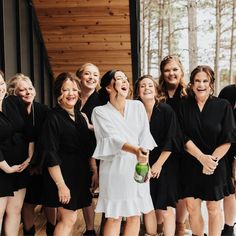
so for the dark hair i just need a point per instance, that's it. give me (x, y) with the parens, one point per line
(162, 83)
(202, 68)
(60, 80)
(158, 96)
(105, 81)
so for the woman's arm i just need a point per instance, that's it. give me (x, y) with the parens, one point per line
(63, 190)
(141, 154)
(10, 169)
(157, 166)
(208, 162)
(94, 169)
(221, 150)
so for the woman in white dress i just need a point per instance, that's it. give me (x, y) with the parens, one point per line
(122, 133)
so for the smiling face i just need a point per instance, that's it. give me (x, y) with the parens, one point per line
(146, 90)
(172, 73)
(120, 84)
(3, 88)
(89, 77)
(69, 94)
(201, 85)
(26, 91)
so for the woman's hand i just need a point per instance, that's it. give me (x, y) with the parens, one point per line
(156, 170)
(209, 164)
(90, 126)
(142, 155)
(63, 193)
(14, 169)
(95, 181)
(25, 164)
(234, 171)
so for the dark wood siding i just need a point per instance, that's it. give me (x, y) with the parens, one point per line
(76, 32)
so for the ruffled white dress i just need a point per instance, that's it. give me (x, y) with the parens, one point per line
(119, 194)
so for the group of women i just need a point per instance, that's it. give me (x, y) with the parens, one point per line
(92, 138)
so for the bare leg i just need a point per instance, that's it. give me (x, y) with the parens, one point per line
(215, 218)
(160, 221)
(67, 220)
(181, 216)
(169, 221)
(195, 216)
(150, 223)
(132, 226)
(3, 204)
(230, 210)
(13, 213)
(112, 227)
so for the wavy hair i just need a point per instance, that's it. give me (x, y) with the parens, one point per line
(162, 83)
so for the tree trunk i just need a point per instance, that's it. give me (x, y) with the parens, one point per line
(231, 77)
(217, 51)
(192, 34)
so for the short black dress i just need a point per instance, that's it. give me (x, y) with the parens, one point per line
(35, 119)
(69, 144)
(229, 93)
(166, 133)
(208, 129)
(13, 144)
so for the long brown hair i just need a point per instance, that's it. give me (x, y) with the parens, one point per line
(158, 97)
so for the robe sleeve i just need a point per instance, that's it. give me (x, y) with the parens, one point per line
(1, 156)
(109, 139)
(50, 141)
(180, 115)
(173, 140)
(228, 134)
(145, 137)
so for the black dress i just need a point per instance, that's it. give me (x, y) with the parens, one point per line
(35, 119)
(174, 101)
(208, 129)
(67, 143)
(229, 93)
(93, 101)
(13, 144)
(166, 133)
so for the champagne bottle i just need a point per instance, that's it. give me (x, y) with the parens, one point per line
(141, 172)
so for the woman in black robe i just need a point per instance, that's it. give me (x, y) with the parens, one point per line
(172, 87)
(165, 130)
(21, 86)
(209, 129)
(67, 148)
(229, 93)
(88, 75)
(13, 158)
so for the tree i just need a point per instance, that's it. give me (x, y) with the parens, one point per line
(232, 43)
(192, 34)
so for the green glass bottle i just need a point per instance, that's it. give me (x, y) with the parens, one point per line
(141, 172)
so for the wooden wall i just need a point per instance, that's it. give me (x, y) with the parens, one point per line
(79, 31)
